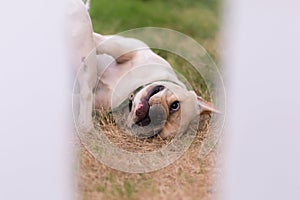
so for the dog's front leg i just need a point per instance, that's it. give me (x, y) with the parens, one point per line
(87, 79)
(122, 49)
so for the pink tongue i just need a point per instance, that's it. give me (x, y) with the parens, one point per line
(139, 106)
(142, 109)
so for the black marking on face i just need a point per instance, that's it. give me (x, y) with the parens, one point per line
(156, 90)
(130, 98)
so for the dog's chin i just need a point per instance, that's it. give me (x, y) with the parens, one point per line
(151, 124)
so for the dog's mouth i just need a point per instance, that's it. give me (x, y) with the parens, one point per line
(147, 120)
(152, 124)
(144, 122)
(142, 111)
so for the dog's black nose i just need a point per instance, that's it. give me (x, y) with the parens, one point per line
(152, 124)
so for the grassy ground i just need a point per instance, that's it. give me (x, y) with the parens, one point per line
(188, 177)
(198, 19)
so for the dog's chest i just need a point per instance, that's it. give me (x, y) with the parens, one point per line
(109, 74)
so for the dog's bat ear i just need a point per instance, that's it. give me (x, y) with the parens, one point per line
(205, 106)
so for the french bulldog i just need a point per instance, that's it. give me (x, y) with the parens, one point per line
(131, 79)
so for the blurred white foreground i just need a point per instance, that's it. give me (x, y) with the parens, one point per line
(263, 68)
(34, 120)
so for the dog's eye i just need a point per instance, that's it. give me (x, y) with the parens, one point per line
(174, 106)
(130, 98)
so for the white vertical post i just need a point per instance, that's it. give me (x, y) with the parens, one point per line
(34, 102)
(263, 66)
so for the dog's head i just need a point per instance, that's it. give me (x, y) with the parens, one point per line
(164, 107)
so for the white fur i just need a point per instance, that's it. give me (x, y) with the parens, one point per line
(83, 58)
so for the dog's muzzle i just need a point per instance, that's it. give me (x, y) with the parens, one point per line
(146, 120)
(151, 121)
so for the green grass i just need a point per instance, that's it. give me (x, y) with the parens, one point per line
(130, 188)
(198, 19)
(117, 190)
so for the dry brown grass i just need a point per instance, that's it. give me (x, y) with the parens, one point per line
(187, 178)
(124, 141)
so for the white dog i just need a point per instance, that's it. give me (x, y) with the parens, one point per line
(83, 58)
(132, 78)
